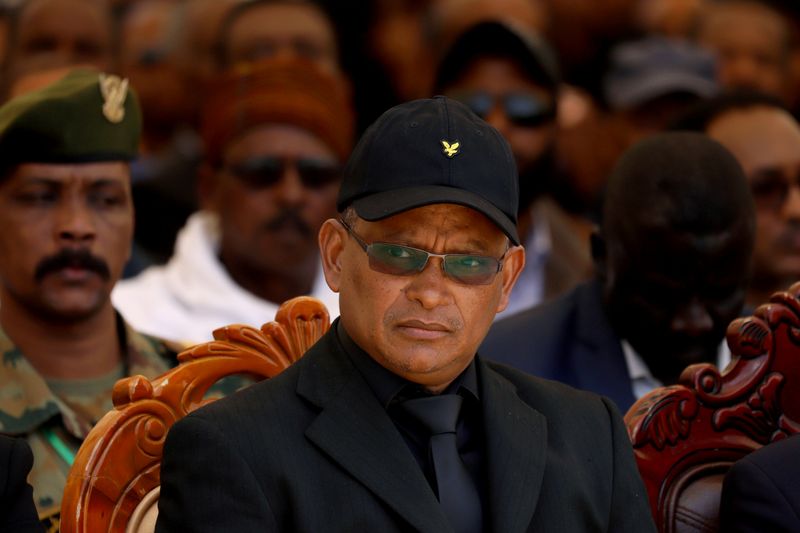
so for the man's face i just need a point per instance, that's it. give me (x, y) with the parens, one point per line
(672, 295)
(751, 44)
(55, 33)
(498, 78)
(766, 142)
(148, 59)
(277, 185)
(283, 29)
(500, 81)
(424, 327)
(67, 231)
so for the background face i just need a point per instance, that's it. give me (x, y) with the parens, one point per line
(66, 236)
(272, 229)
(45, 39)
(766, 142)
(499, 76)
(296, 29)
(674, 294)
(425, 327)
(751, 43)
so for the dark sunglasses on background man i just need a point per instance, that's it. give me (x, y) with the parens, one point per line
(771, 188)
(259, 172)
(400, 260)
(521, 108)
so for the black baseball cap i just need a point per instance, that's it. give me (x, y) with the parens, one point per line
(496, 38)
(432, 151)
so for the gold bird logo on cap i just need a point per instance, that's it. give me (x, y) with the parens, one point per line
(450, 150)
(114, 90)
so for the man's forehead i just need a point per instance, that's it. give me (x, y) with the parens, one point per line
(63, 172)
(470, 225)
(757, 133)
(278, 139)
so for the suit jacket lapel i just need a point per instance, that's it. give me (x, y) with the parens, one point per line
(597, 359)
(354, 430)
(516, 452)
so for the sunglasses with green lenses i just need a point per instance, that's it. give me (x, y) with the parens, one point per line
(400, 260)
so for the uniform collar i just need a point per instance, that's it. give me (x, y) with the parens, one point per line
(28, 403)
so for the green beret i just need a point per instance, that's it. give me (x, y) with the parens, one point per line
(83, 117)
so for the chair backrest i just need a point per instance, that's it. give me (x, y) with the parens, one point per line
(686, 436)
(114, 482)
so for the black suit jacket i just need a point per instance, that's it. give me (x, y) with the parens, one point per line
(17, 510)
(568, 340)
(313, 450)
(761, 492)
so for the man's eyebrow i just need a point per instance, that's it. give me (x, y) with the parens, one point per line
(102, 182)
(401, 235)
(40, 180)
(768, 172)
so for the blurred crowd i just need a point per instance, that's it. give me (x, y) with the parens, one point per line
(621, 69)
(250, 109)
(627, 67)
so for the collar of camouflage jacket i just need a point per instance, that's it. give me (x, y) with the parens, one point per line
(26, 402)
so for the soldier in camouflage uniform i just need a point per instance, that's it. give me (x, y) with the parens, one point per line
(67, 219)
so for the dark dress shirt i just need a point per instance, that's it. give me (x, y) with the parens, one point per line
(391, 390)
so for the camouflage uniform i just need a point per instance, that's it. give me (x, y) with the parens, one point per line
(54, 426)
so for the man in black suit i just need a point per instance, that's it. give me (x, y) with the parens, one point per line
(390, 422)
(761, 492)
(672, 259)
(17, 511)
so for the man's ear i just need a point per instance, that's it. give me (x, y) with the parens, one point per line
(513, 264)
(332, 238)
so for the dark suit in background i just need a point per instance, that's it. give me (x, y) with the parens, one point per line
(17, 511)
(313, 450)
(762, 491)
(569, 340)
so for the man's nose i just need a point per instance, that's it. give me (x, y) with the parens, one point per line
(430, 287)
(290, 189)
(74, 223)
(791, 207)
(498, 120)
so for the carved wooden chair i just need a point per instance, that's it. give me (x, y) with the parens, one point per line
(114, 483)
(686, 436)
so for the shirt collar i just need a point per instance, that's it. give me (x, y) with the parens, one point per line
(386, 385)
(643, 381)
(27, 402)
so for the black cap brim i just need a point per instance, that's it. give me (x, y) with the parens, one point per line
(378, 206)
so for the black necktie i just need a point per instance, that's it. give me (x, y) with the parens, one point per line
(458, 495)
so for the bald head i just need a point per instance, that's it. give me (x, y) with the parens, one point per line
(682, 181)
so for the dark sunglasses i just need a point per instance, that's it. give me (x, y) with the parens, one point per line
(262, 172)
(399, 260)
(771, 189)
(521, 109)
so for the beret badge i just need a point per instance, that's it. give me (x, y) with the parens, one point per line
(114, 90)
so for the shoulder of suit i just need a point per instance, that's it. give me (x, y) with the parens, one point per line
(544, 391)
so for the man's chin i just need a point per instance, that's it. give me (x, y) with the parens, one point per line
(70, 308)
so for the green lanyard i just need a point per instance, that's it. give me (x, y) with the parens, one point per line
(61, 448)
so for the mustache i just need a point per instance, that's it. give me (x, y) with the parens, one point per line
(71, 258)
(286, 218)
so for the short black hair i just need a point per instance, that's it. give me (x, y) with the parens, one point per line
(699, 116)
(684, 181)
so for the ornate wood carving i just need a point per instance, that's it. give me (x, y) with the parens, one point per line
(119, 462)
(690, 434)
